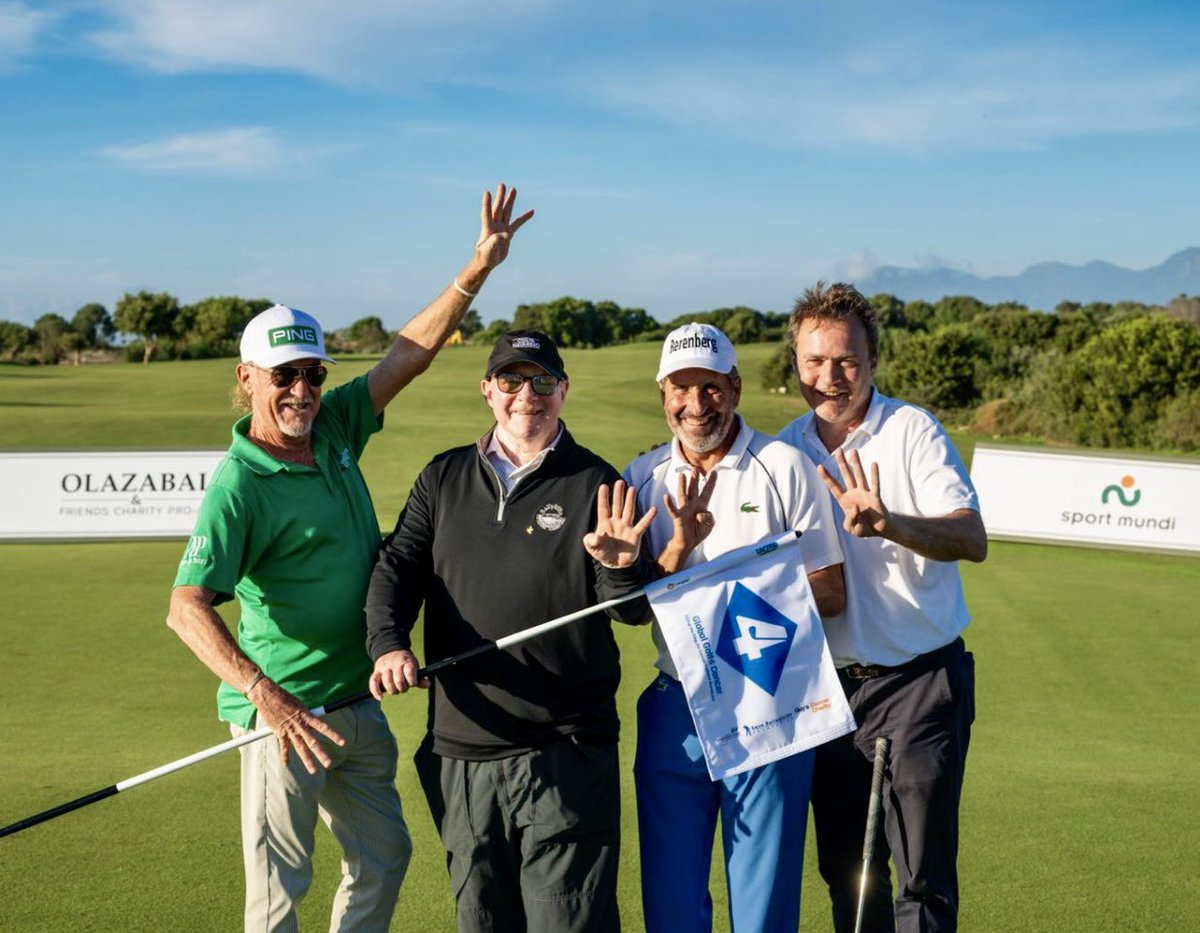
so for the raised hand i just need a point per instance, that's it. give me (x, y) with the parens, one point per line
(691, 517)
(865, 514)
(617, 538)
(496, 226)
(693, 521)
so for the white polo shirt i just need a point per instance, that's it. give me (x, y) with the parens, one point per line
(764, 488)
(898, 603)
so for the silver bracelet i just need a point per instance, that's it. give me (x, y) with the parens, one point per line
(463, 291)
(254, 683)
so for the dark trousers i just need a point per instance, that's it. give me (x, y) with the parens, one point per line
(926, 710)
(532, 841)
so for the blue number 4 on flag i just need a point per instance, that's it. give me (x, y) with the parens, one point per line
(746, 639)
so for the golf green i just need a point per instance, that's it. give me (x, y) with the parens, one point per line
(1076, 806)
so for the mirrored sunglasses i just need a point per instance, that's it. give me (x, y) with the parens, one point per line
(542, 383)
(283, 377)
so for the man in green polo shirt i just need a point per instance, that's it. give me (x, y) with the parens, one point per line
(287, 526)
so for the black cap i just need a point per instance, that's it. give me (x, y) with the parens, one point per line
(526, 346)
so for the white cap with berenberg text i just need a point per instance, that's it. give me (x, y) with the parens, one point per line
(696, 346)
(281, 335)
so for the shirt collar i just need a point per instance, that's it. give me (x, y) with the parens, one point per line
(871, 423)
(492, 449)
(258, 459)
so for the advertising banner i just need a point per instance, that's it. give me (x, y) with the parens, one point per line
(1080, 498)
(67, 495)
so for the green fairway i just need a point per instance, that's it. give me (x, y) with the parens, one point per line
(1076, 803)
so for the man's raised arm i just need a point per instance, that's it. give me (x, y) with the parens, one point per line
(420, 339)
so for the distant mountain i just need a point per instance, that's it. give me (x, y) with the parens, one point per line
(1045, 284)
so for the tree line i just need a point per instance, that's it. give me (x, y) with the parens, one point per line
(1098, 374)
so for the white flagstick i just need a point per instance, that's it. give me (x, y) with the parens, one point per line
(675, 580)
(168, 768)
(682, 578)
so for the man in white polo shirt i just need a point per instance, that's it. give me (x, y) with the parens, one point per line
(724, 485)
(901, 661)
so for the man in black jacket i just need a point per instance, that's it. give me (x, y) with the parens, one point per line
(520, 761)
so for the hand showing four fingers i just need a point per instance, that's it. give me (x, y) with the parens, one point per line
(865, 514)
(617, 538)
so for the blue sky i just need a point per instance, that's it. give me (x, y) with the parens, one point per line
(680, 156)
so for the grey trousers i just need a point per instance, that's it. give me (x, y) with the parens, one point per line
(531, 841)
(356, 797)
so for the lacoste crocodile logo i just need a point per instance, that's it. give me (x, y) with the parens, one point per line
(747, 507)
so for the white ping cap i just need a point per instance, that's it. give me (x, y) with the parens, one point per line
(280, 335)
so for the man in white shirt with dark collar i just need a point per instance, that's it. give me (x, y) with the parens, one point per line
(723, 485)
(897, 646)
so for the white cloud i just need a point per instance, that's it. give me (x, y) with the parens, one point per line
(20, 29)
(246, 150)
(366, 41)
(1013, 97)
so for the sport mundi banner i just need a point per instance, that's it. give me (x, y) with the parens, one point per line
(1102, 500)
(66, 495)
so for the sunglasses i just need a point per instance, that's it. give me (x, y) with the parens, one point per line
(283, 377)
(542, 383)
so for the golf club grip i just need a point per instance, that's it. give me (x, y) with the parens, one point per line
(882, 745)
(450, 662)
(62, 808)
(343, 703)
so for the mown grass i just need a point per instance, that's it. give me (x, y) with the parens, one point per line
(1077, 807)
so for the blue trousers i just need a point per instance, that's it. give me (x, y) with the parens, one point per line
(763, 814)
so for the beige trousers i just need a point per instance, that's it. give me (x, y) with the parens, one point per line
(355, 797)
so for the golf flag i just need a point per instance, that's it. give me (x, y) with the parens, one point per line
(746, 639)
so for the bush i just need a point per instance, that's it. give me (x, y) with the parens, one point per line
(777, 373)
(1179, 424)
(939, 370)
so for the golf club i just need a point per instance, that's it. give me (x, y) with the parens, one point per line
(881, 754)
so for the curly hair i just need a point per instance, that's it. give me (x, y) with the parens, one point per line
(239, 398)
(836, 302)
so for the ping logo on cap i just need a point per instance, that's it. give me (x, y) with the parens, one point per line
(281, 336)
(526, 343)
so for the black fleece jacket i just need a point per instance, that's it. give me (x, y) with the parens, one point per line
(486, 565)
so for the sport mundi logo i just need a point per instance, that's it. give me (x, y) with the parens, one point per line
(755, 638)
(1128, 497)
(1126, 483)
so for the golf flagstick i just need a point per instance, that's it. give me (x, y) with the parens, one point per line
(114, 789)
(687, 576)
(881, 753)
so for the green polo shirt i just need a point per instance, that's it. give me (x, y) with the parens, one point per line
(296, 546)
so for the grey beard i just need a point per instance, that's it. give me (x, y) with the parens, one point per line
(707, 442)
(302, 429)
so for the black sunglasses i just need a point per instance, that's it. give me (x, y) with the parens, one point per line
(283, 377)
(542, 383)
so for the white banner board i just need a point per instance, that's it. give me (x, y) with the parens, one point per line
(1074, 498)
(65, 495)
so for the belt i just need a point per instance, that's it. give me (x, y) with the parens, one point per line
(870, 671)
